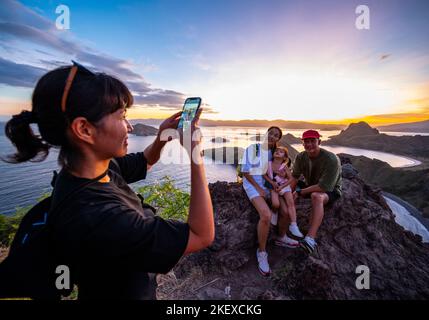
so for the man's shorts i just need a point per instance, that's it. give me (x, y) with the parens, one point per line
(332, 195)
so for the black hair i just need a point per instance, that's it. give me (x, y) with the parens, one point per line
(92, 96)
(281, 134)
(275, 127)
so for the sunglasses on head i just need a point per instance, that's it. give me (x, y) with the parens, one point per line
(76, 66)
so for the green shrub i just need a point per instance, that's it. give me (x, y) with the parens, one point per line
(171, 202)
(9, 223)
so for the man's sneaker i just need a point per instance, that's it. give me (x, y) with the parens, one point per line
(294, 230)
(274, 218)
(287, 242)
(308, 244)
(263, 266)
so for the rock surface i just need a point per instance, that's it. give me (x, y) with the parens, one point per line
(359, 229)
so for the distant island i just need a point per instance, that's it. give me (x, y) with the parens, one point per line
(140, 129)
(219, 140)
(421, 126)
(233, 155)
(362, 135)
(253, 124)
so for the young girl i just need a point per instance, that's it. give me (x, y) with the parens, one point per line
(277, 179)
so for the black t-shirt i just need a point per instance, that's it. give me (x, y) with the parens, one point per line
(108, 240)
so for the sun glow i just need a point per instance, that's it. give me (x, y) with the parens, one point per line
(299, 96)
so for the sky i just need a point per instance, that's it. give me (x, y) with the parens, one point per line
(291, 60)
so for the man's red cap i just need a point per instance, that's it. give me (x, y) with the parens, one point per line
(310, 134)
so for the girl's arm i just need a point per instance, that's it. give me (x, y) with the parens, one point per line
(267, 178)
(289, 178)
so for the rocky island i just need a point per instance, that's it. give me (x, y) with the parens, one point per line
(361, 135)
(140, 129)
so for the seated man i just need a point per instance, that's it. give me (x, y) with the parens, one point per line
(322, 173)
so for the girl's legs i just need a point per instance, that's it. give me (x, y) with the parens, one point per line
(290, 206)
(284, 219)
(275, 202)
(264, 221)
(293, 227)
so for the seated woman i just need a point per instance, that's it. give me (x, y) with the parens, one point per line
(254, 166)
(111, 244)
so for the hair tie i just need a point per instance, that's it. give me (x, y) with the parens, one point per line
(25, 117)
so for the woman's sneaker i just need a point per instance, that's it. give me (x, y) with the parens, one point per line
(308, 244)
(274, 218)
(295, 232)
(263, 266)
(287, 242)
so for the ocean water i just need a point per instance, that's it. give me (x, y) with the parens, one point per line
(22, 184)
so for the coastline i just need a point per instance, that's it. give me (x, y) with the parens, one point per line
(410, 208)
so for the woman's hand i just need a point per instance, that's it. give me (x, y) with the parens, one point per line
(170, 123)
(261, 192)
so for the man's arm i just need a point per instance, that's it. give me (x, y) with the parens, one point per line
(311, 189)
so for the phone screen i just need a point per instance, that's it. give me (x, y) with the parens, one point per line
(189, 111)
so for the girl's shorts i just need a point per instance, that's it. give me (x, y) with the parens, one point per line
(284, 190)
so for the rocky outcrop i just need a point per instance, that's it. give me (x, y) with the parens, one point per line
(361, 135)
(290, 139)
(144, 130)
(359, 229)
(359, 129)
(410, 185)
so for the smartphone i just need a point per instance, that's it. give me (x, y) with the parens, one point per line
(190, 109)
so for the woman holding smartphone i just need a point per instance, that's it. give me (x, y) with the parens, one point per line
(111, 244)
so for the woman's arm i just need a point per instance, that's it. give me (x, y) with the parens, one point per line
(152, 152)
(200, 219)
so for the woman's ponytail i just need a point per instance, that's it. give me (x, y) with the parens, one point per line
(28, 145)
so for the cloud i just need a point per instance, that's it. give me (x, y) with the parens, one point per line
(20, 25)
(20, 75)
(38, 36)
